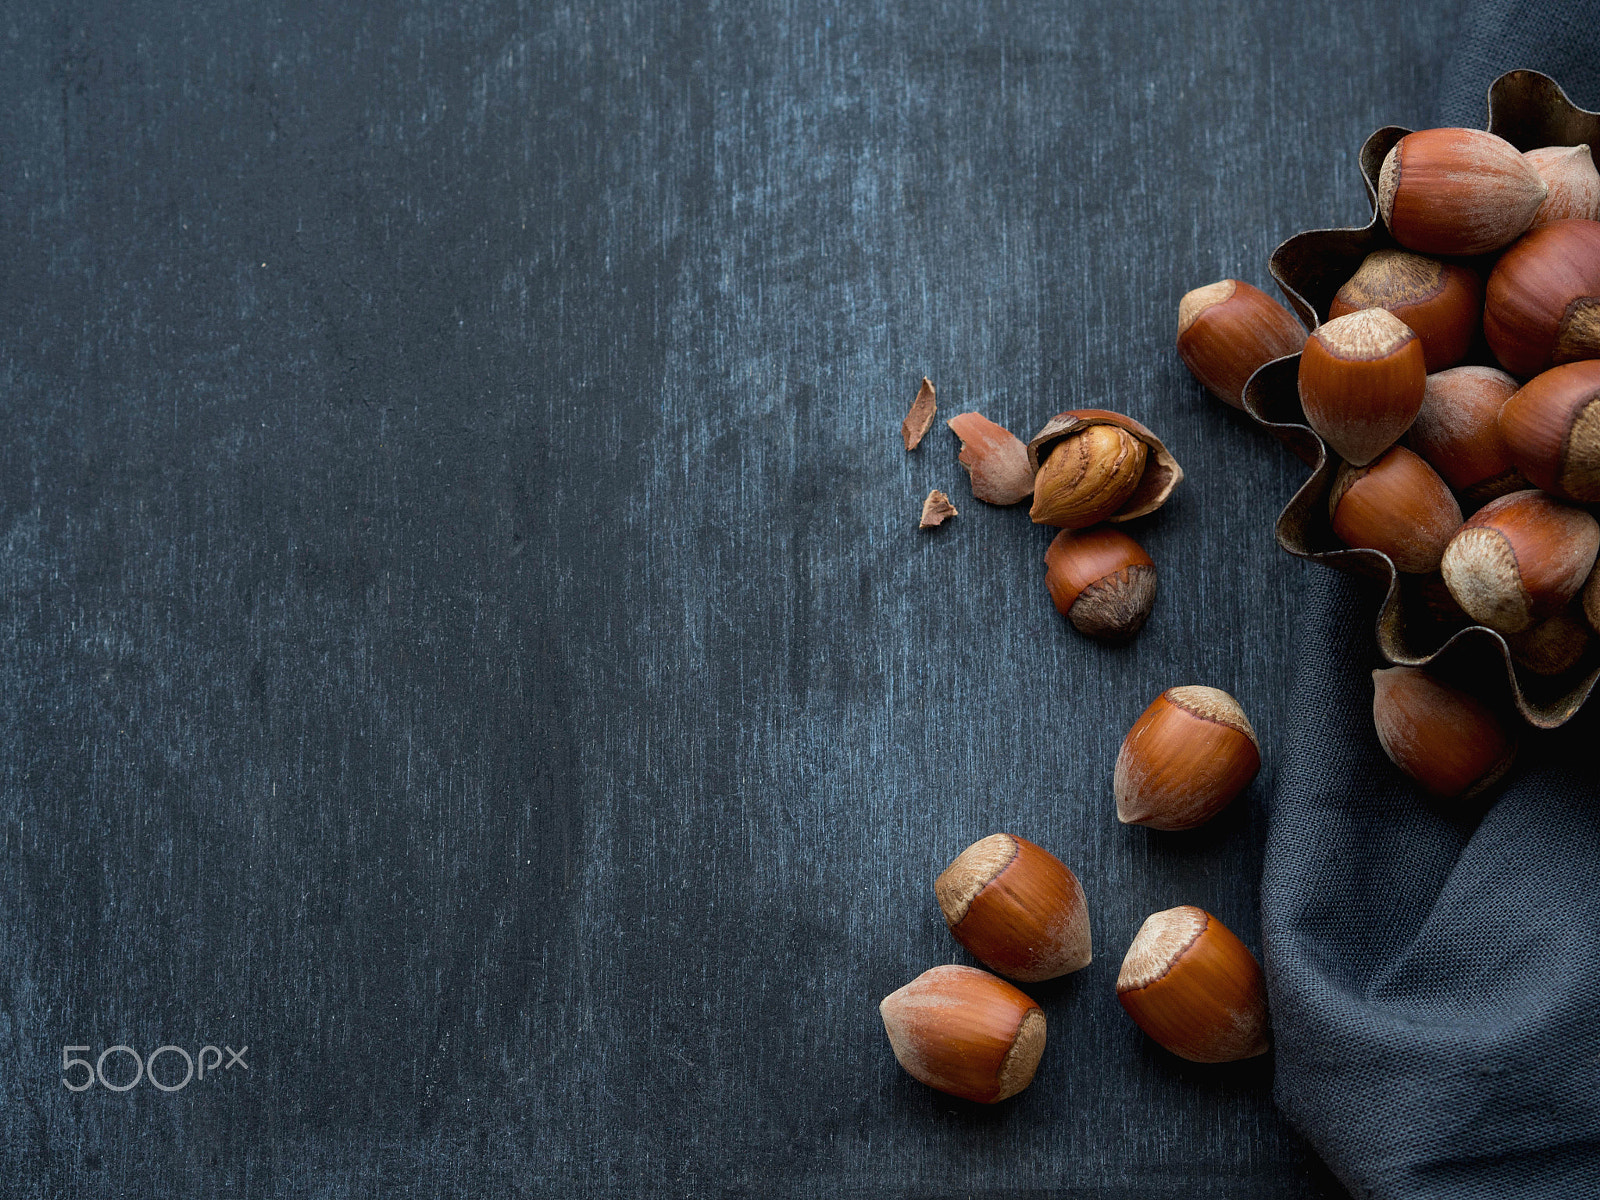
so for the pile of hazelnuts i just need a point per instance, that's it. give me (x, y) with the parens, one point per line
(1473, 479)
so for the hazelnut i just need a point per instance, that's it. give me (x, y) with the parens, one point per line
(1017, 908)
(1442, 303)
(1091, 466)
(1457, 432)
(1542, 303)
(1553, 646)
(1227, 330)
(1457, 191)
(1397, 505)
(1568, 171)
(1194, 987)
(1087, 477)
(1428, 597)
(966, 1032)
(1101, 580)
(1520, 559)
(1446, 740)
(1189, 754)
(994, 457)
(1361, 382)
(1551, 428)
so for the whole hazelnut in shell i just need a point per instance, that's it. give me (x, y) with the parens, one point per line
(1101, 580)
(1591, 600)
(1457, 432)
(1017, 908)
(1186, 757)
(1542, 303)
(1520, 559)
(1445, 739)
(1551, 428)
(1568, 171)
(1554, 645)
(966, 1032)
(1457, 191)
(1195, 988)
(1442, 303)
(1397, 505)
(1229, 329)
(1361, 382)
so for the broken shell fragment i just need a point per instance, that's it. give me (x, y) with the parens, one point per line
(995, 458)
(936, 510)
(920, 419)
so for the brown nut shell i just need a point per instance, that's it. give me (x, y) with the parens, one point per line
(1569, 173)
(1553, 646)
(1186, 757)
(1442, 303)
(1542, 304)
(1361, 382)
(1017, 908)
(936, 510)
(966, 1032)
(1551, 428)
(1448, 741)
(919, 419)
(1529, 110)
(1156, 480)
(995, 458)
(1227, 330)
(1520, 559)
(1398, 506)
(1101, 580)
(1457, 432)
(1195, 988)
(1457, 191)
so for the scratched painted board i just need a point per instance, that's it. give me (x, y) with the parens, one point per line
(466, 634)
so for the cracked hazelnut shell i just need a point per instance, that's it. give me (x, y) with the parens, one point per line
(994, 457)
(1075, 479)
(919, 419)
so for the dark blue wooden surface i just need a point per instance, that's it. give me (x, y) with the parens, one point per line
(466, 635)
